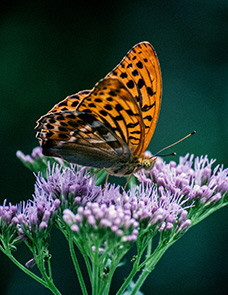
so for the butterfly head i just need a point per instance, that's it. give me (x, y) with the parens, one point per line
(147, 163)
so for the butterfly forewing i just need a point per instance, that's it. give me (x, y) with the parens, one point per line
(140, 72)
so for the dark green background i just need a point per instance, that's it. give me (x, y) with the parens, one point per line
(50, 49)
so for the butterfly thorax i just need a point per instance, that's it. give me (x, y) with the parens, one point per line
(134, 165)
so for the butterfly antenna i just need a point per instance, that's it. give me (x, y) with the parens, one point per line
(167, 147)
(166, 155)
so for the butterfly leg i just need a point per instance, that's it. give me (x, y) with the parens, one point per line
(106, 179)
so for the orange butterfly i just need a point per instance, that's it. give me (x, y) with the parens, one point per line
(111, 125)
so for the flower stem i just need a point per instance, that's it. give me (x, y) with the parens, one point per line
(77, 267)
(199, 217)
(95, 274)
(150, 265)
(133, 272)
(40, 261)
(23, 268)
(128, 280)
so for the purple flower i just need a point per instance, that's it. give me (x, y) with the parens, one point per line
(37, 162)
(126, 215)
(107, 221)
(157, 206)
(192, 177)
(68, 184)
(36, 216)
(8, 214)
(8, 223)
(36, 154)
(162, 202)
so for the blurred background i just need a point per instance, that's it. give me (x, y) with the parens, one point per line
(50, 49)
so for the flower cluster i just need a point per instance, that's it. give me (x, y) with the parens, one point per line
(161, 202)
(104, 219)
(191, 177)
(126, 215)
(70, 185)
(37, 162)
(8, 223)
(104, 222)
(27, 220)
(35, 217)
(156, 206)
(36, 154)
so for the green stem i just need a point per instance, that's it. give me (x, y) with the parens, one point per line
(149, 248)
(49, 268)
(85, 257)
(77, 267)
(197, 218)
(95, 274)
(133, 272)
(128, 280)
(23, 268)
(107, 284)
(150, 265)
(46, 281)
(40, 260)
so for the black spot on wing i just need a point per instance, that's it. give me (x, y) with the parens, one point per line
(74, 96)
(62, 129)
(49, 126)
(70, 116)
(108, 107)
(103, 113)
(91, 105)
(146, 107)
(52, 120)
(130, 84)
(135, 132)
(98, 100)
(63, 103)
(134, 138)
(123, 75)
(135, 73)
(118, 107)
(141, 83)
(139, 64)
(112, 93)
(109, 98)
(149, 118)
(132, 125)
(74, 103)
(63, 136)
(73, 124)
(150, 91)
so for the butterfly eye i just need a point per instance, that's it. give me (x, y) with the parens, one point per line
(148, 163)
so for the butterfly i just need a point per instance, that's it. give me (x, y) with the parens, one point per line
(110, 126)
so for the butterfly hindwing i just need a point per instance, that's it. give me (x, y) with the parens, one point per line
(83, 140)
(70, 103)
(105, 124)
